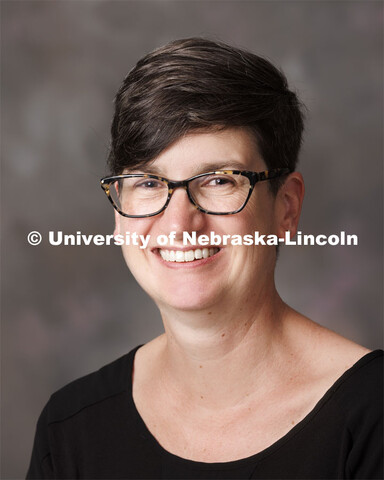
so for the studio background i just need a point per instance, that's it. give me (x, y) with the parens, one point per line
(66, 311)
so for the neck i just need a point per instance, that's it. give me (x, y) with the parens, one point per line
(220, 354)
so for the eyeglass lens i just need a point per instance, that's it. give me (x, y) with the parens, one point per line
(216, 193)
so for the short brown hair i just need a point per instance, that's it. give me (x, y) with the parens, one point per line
(197, 84)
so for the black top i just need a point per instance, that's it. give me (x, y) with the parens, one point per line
(91, 429)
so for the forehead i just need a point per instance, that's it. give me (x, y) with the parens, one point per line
(234, 148)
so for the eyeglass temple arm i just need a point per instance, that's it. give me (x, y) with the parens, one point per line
(269, 174)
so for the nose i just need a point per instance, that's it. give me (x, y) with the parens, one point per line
(181, 215)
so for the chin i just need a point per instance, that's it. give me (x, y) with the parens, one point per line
(185, 296)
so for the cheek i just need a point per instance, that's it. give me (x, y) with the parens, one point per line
(248, 222)
(132, 225)
(137, 262)
(131, 255)
(259, 214)
(129, 228)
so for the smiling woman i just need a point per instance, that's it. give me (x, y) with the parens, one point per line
(228, 272)
(205, 139)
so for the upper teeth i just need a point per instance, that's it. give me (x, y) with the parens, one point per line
(188, 256)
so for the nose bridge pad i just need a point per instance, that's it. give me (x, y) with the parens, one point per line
(184, 187)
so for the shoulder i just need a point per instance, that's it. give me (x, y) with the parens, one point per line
(349, 364)
(360, 388)
(323, 352)
(329, 362)
(93, 388)
(358, 397)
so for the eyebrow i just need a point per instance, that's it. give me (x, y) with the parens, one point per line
(203, 168)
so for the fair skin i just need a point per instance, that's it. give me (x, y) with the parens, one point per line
(236, 368)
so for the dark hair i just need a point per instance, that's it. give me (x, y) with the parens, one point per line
(196, 84)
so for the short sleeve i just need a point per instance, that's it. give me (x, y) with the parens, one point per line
(40, 466)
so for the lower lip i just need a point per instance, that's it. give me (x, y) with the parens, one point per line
(194, 264)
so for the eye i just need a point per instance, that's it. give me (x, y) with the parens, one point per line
(219, 181)
(149, 184)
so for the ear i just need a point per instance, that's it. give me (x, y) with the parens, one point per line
(288, 204)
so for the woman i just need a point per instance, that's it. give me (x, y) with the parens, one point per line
(205, 138)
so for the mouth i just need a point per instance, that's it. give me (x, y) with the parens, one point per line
(181, 256)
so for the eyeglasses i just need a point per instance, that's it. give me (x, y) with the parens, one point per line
(222, 192)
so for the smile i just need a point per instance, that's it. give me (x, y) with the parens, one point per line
(180, 256)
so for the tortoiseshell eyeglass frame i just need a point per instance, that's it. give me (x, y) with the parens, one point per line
(254, 177)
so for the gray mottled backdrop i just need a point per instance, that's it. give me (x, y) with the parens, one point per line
(68, 310)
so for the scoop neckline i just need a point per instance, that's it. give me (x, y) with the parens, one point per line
(232, 464)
